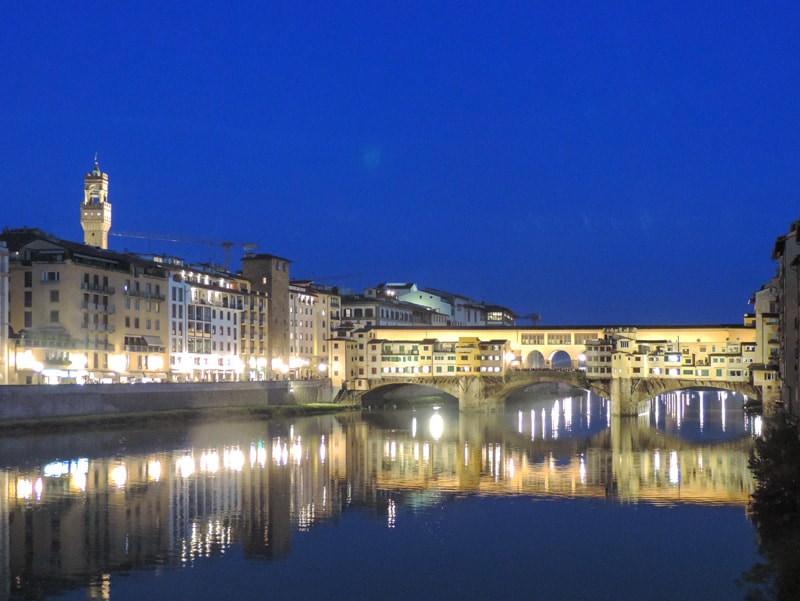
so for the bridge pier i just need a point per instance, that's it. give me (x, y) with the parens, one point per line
(472, 394)
(623, 400)
(476, 393)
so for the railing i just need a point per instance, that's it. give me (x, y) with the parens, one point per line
(96, 346)
(99, 327)
(65, 344)
(45, 343)
(144, 294)
(138, 348)
(97, 288)
(98, 307)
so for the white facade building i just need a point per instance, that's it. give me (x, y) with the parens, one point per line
(205, 315)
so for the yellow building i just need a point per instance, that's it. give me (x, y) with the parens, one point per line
(313, 318)
(467, 357)
(709, 353)
(344, 366)
(83, 314)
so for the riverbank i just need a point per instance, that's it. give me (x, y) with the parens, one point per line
(23, 408)
(94, 423)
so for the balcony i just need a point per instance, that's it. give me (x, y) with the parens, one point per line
(99, 327)
(138, 348)
(97, 346)
(97, 288)
(51, 343)
(108, 309)
(146, 295)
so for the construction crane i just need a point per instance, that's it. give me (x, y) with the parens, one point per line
(225, 244)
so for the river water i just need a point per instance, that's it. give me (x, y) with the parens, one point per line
(551, 498)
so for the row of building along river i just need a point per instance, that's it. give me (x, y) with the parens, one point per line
(551, 498)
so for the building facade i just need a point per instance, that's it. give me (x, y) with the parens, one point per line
(269, 275)
(786, 253)
(208, 318)
(83, 314)
(4, 324)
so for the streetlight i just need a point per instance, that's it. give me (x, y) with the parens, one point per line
(118, 364)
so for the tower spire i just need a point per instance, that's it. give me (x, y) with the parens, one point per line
(95, 209)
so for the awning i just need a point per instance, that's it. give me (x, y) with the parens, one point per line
(153, 340)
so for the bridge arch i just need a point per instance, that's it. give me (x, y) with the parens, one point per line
(535, 360)
(408, 393)
(560, 359)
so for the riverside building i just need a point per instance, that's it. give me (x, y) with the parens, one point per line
(787, 287)
(269, 275)
(3, 314)
(217, 326)
(80, 313)
(313, 319)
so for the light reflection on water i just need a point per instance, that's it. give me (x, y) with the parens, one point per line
(81, 510)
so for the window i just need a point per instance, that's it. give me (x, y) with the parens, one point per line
(53, 316)
(28, 319)
(54, 296)
(565, 338)
(50, 276)
(28, 279)
(28, 298)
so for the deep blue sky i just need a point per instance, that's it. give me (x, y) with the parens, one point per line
(597, 162)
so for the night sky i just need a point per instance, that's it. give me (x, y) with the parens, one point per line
(596, 163)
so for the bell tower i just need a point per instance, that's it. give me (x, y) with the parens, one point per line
(95, 209)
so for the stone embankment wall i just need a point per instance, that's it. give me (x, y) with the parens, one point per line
(32, 403)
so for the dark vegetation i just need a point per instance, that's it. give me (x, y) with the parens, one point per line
(775, 512)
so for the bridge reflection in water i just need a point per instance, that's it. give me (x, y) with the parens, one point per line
(76, 507)
(691, 447)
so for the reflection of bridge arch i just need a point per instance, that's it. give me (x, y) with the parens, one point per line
(646, 389)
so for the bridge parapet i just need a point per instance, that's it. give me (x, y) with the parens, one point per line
(488, 392)
(627, 395)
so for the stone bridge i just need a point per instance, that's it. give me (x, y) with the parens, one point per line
(629, 394)
(488, 392)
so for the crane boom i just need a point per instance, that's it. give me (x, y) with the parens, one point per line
(225, 244)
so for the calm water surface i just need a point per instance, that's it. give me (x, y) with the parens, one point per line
(550, 499)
